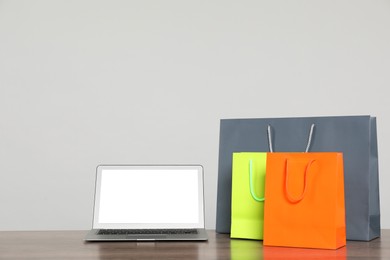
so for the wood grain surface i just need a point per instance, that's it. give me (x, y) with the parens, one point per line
(70, 245)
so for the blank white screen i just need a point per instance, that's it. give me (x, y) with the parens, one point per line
(149, 196)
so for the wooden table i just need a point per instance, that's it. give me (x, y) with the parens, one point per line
(70, 245)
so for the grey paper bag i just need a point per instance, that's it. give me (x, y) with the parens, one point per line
(354, 136)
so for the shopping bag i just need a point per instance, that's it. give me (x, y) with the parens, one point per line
(354, 136)
(304, 204)
(248, 180)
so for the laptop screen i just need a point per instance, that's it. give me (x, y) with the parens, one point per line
(134, 196)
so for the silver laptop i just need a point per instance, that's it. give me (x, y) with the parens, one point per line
(148, 203)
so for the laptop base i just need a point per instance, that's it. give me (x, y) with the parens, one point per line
(93, 236)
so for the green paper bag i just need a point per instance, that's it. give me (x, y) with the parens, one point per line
(248, 182)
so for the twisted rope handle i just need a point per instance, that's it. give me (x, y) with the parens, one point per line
(270, 145)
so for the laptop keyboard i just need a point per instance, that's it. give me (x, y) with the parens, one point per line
(147, 231)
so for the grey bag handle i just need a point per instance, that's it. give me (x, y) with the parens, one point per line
(271, 149)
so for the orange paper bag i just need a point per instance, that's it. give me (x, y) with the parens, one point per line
(304, 200)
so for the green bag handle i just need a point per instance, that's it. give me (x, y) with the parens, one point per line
(288, 195)
(251, 184)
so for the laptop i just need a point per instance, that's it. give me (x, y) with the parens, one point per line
(148, 203)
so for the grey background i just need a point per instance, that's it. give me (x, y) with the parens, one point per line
(90, 82)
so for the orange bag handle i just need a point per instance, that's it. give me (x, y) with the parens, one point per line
(288, 195)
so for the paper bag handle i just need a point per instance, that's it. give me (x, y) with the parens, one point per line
(288, 195)
(251, 183)
(270, 145)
